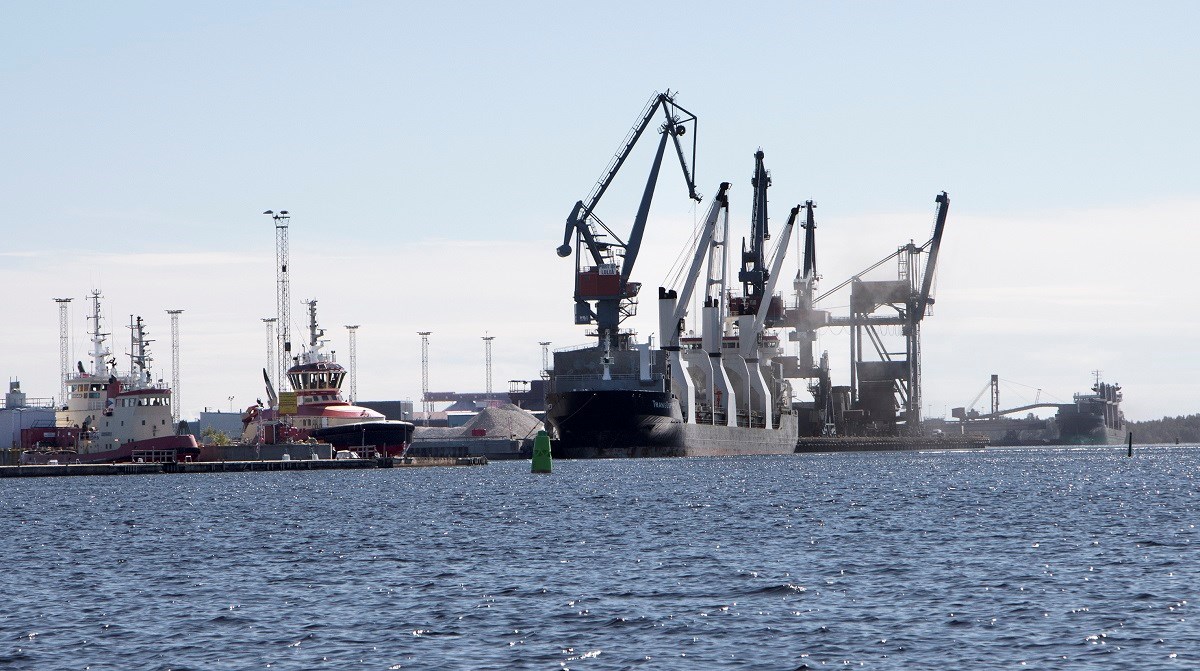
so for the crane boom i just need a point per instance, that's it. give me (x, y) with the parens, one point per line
(675, 120)
(720, 203)
(934, 244)
(760, 319)
(810, 242)
(754, 273)
(603, 293)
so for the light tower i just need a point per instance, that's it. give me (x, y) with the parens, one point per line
(487, 346)
(64, 353)
(271, 363)
(283, 295)
(353, 329)
(545, 356)
(175, 365)
(426, 404)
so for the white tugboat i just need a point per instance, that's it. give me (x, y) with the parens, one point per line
(108, 417)
(321, 412)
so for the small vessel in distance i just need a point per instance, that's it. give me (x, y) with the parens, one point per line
(320, 411)
(108, 417)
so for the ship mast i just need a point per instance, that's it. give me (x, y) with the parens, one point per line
(313, 352)
(100, 353)
(139, 356)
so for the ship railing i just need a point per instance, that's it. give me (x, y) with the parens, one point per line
(42, 403)
(575, 348)
(704, 416)
(154, 456)
(561, 383)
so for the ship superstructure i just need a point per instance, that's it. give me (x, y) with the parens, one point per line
(109, 416)
(320, 410)
(1093, 419)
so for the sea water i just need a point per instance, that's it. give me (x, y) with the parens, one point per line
(1006, 558)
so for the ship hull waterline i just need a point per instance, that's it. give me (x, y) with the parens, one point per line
(639, 424)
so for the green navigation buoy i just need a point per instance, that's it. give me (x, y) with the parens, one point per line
(541, 453)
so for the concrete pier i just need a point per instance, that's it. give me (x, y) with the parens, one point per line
(41, 471)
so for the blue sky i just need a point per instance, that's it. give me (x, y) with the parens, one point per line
(430, 152)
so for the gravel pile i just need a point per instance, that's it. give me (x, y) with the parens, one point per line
(502, 422)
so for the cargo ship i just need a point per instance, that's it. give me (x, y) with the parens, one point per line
(715, 392)
(1093, 419)
(1090, 419)
(108, 417)
(320, 412)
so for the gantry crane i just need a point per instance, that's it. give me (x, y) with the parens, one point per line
(880, 388)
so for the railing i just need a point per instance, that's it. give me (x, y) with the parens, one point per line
(574, 348)
(595, 376)
(561, 383)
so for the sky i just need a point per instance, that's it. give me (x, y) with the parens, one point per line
(430, 152)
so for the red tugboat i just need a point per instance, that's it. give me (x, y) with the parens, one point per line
(108, 417)
(320, 412)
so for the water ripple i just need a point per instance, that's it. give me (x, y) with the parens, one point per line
(1044, 558)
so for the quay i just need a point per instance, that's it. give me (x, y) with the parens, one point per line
(41, 470)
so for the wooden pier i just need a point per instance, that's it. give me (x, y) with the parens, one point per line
(40, 471)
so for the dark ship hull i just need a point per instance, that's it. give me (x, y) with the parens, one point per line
(388, 437)
(1093, 419)
(160, 449)
(622, 423)
(1081, 429)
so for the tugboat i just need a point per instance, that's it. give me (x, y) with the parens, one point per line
(320, 411)
(108, 417)
(719, 394)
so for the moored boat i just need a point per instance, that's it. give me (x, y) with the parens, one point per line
(109, 417)
(320, 411)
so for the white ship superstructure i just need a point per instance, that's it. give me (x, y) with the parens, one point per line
(118, 414)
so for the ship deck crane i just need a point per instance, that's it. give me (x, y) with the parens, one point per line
(755, 273)
(606, 282)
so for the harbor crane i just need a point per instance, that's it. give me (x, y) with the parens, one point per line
(602, 276)
(880, 388)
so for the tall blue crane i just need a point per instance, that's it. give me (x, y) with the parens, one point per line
(602, 276)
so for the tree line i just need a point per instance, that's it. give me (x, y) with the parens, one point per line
(1182, 429)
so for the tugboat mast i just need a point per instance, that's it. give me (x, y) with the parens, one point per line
(139, 357)
(100, 353)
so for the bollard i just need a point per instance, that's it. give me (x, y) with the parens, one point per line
(541, 453)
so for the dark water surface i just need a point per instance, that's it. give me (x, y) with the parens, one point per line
(1040, 559)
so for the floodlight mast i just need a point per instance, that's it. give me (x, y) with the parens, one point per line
(283, 296)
